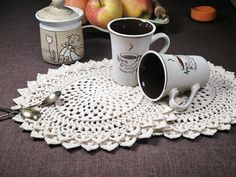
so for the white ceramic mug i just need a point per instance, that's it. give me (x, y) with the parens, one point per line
(162, 74)
(130, 38)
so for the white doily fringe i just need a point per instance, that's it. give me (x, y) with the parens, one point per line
(95, 112)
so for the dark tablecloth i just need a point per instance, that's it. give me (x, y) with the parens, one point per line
(20, 61)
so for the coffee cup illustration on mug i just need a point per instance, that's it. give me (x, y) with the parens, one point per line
(130, 38)
(128, 62)
(160, 75)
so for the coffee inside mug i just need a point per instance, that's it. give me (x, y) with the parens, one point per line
(131, 26)
(152, 76)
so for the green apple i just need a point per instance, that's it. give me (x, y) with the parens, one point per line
(101, 12)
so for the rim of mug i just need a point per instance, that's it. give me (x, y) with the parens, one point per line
(131, 35)
(165, 74)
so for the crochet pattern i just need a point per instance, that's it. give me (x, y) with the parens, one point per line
(93, 111)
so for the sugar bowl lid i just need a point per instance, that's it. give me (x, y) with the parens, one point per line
(56, 12)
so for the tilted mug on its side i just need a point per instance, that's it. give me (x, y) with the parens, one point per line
(130, 38)
(160, 75)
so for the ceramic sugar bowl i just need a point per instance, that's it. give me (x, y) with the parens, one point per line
(61, 34)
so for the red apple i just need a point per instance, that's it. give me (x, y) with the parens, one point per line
(76, 3)
(101, 12)
(79, 4)
(137, 8)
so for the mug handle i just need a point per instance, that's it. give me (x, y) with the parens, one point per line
(173, 93)
(167, 41)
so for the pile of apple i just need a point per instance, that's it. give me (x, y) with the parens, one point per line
(100, 12)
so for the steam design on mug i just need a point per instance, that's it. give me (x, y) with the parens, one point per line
(128, 61)
(186, 64)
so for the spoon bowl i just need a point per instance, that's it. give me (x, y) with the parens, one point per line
(30, 113)
(52, 98)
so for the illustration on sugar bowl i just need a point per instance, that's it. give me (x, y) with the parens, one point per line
(61, 34)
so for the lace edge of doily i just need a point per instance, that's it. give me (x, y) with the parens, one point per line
(107, 143)
(111, 145)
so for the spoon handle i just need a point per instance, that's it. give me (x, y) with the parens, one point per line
(10, 111)
(6, 116)
(7, 110)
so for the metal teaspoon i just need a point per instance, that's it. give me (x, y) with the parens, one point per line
(31, 113)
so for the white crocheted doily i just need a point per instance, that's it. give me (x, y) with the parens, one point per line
(94, 112)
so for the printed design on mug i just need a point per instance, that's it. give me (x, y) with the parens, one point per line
(52, 53)
(70, 49)
(186, 64)
(128, 61)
